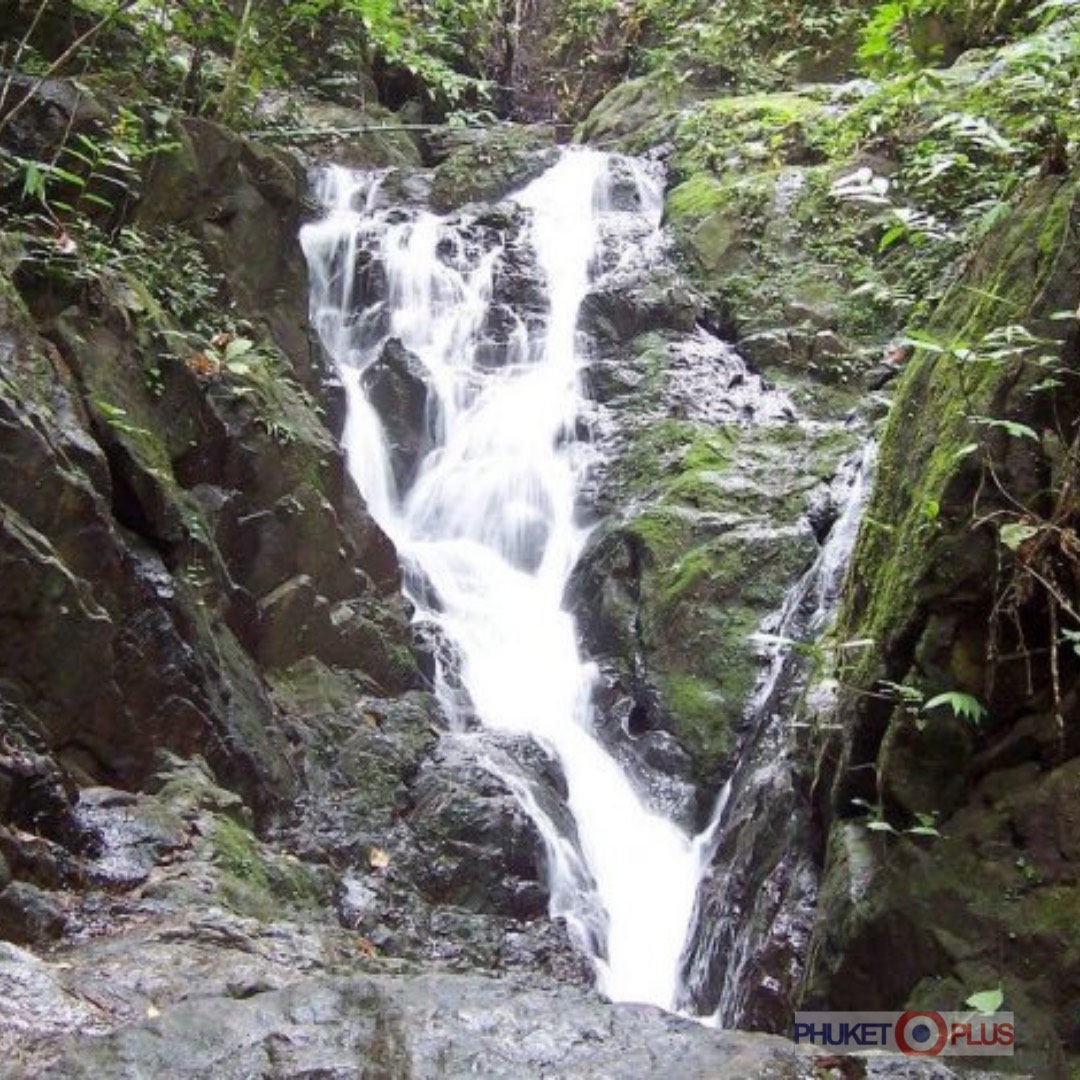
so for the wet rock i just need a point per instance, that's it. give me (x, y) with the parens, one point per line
(604, 593)
(135, 833)
(996, 870)
(29, 915)
(618, 313)
(156, 553)
(634, 725)
(475, 847)
(357, 755)
(216, 994)
(396, 386)
(821, 511)
(698, 561)
(432, 1025)
(436, 860)
(38, 1009)
(35, 795)
(746, 958)
(487, 165)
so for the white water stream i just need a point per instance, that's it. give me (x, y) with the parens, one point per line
(487, 523)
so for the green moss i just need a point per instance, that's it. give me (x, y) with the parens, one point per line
(698, 197)
(256, 881)
(294, 882)
(636, 115)
(1053, 909)
(237, 853)
(697, 703)
(720, 539)
(765, 129)
(661, 530)
(921, 460)
(694, 567)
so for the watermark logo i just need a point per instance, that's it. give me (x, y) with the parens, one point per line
(912, 1033)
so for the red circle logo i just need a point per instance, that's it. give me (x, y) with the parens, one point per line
(910, 1041)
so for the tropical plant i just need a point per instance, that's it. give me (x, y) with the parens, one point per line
(215, 56)
(902, 35)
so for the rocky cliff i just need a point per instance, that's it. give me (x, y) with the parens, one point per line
(897, 829)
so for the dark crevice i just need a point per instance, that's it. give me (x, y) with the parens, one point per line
(126, 505)
(637, 721)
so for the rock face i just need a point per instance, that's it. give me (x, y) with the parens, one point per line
(970, 608)
(706, 482)
(208, 690)
(172, 523)
(395, 386)
(273, 1000)
(486, 165)
(780, 205)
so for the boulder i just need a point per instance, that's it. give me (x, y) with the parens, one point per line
(395, 384)
(485, 165)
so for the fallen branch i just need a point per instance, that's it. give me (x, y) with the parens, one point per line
(361, 129)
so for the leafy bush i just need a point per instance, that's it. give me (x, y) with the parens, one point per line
(907, 34)
(743, 42)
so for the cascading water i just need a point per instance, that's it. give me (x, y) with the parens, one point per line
(745, 954)
(484, 518)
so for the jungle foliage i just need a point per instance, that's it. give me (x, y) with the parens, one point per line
(215, 57)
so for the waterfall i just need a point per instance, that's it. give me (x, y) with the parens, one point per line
(481, 502)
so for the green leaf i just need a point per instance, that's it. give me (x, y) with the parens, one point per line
(986, 1001)
(1046, 384)
(238, 347)
(961, 704)
(880, 826)
(965, 451)
(1010, 426)
(927, 342)
(78, 155)
(66, 176)
(33, 180)
(1015, 533)
(910, 695)
(110, 411)
(892, 235)
(922, 830)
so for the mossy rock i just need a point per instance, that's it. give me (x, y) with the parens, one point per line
(486, 165)
(967, 448)
(990, 903)
(718, 533)
(257, 881)
(636, 115)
